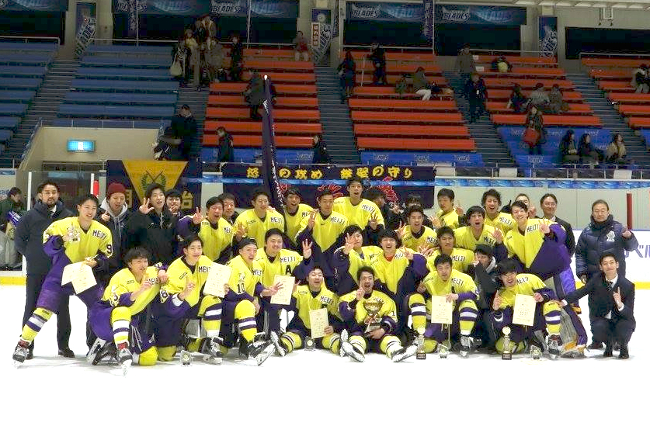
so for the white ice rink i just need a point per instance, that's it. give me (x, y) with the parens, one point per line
(318, 391)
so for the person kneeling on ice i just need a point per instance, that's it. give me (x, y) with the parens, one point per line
(305, 299)
(370, 317)
(120, 316)
(182, 299)
(70, 240)
(547, 311)
(456, 287)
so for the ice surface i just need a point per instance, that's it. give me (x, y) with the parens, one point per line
(318, 391)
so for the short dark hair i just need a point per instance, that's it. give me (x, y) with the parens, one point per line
(547, 195)
(352, 229)
(414, 208)
(185, 107)
(446, 192)
(293, 191)
(353, 179)
(152, 187)
(606, 254)
(363, 269)
(227, 196)
(441, 259)
(136, 253)
(258, 192)
(187, 241)
(13, 191)
(600, 201)
(323, 192)
(212, 201)
(173, 193)
(474, 209)
(520, 204)
(413, 198)
(39, 188)
(507, 266)
(374, 192)
(523, 194)
(445, 230)
(388, 233)
(484, 249)
(272, 232)
(491, 193)
(84, 198)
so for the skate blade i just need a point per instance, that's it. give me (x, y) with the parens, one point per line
(126, 365)
(266, 353)
(214, 360)
(18, 364)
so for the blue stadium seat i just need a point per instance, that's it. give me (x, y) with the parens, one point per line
(16, 95)
(5, 135)
(284, 156)
(9, 122)
(415, 158)
(13, 109)
(120, 98)
(124, 85)
(132, 74)
(118, 111)
(129, 62)
(554, 135)
(25, 59)
(22, 71)
(130, 49)
(111, 123)
(645, 133)
(529, 161)
(20, 83)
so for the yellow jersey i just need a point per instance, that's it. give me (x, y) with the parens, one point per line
(86, 243)
(256, 228)
(216, 238)
(119, 289)
(359, 214)
(293, 221)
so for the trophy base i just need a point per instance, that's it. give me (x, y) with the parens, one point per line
(310, 344)
(420, 355)
(506, 356)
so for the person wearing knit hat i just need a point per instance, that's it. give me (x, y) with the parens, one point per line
(114, 213)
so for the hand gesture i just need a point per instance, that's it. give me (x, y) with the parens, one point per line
(145, 208)
(498, 236)
(436, 222)
(226, 289)
(421, 288)
(583, 278)
(408, 253)
(146, 285)
(496, 302)
(329, 330)
(105, 217)
(377, 333)
(162, 276)
(459, 209)
(197, 217)
(189, 286)
(544, 228)
(272, 290)
(617, 298)
(241, 231)
(426, 250)
(360, 294)
(349, 244)
(90, 261)
(312, 219)
(401, 230)
(538, 297)
(627, 234)
(451, 297)
(373, 221)
(306, 249)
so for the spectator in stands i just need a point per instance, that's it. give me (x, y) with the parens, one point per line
(465, 63)
(168, 147)
(556, 102)
(214, 57)
(500, 64)
(378, 58)
(518, 102)
(226, 149)
(539, 97)
(348, 72)
(301, 47)
(616, 152)
(535, 121)
(477, 95)
(424, 88)
(229, 205)
(189, 49)
(254, 94)
(641, 80)
(114, 213)
(205, 28)
(321, 155)
(184, 127)
(588, 153)
(11, 210)
(569, 152)
(236, 59)
(173, 201)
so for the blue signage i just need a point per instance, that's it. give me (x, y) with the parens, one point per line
(162, 7)
(81, 146)
(287, 9)
(34, 5)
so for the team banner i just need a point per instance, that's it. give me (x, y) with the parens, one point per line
(428, 20)
(395, 181)
(162, 7)
(480, 15)
(137, 175)
(548, 36)
(259, 8)
(34, 5)
(372, 11)
(269, 168)
(321, 33)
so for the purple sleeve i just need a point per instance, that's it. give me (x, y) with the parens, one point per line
(259, 288)
(306, 234)
(388, 324)
(501, 318)
(302, 270)
(558, 232)
(547, 294)
(500, 252)
(54, 246)
(125, 300)
(173, 311)
(234, 297)
(465, 296)
(341, 261)
(419, 264)
(347, 313)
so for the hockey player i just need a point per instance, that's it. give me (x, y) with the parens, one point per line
(367, 331)
(491, 201)
(462, 258)
(215, 232)
(118, 317)
(415, 235)
(295, 212)
(456, 287)
(254, 223)
(547, 313)
(360, 211)
(349, 258)
(478, 232)
(182, 299)
(448, 215)
(67, 241)
(312, 296)
(487, 282)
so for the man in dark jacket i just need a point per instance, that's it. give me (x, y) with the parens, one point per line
(11, 209)
(114, 215)
(602, 235)
(153, 227)
(236, 59)
(487, 282)
(226, 149)
(184, 127)
(29, 243)
(611, 306)
(254, 95)
(378, 58)
(476, 94)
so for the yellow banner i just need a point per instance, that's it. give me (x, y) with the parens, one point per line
(144, 173)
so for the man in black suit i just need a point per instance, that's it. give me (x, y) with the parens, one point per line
(611, 306)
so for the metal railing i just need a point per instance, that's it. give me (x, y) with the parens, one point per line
(583, 55)
(28, 39)
(494, 52)
(138, 42)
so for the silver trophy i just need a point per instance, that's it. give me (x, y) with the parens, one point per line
(310, 344)
(507, 350)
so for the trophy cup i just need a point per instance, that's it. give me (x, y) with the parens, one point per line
(420, 354)
(186, 357)
(309, 343)
(372, 306)
(507, 351)
(443, 351)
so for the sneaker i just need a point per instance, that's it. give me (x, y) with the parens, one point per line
(20, 352)
(66, 352)
(277, 344)
(624, 354)
(404, 353)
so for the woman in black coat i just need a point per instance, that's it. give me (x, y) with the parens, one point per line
(321, 155)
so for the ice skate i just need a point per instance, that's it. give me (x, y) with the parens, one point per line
(344, 339)
(535, 352)
(467, 345)
(20, 353)
(211, 350)
(554, 344)
(404, 352)
(277, 344)
(124, 357)
(351, 350)
(97, 346)
(261, 352)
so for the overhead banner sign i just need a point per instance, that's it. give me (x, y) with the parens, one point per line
(444, 14)
(34, 5)
(162, 7)
(287, 9)
(428, 21)
(396, 182)
(548, 36)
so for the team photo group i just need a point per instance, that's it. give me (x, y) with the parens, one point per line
(349, 274)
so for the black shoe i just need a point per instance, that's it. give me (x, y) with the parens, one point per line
(66, 352)
(625, 354)
(595, 345)
(608, 351)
